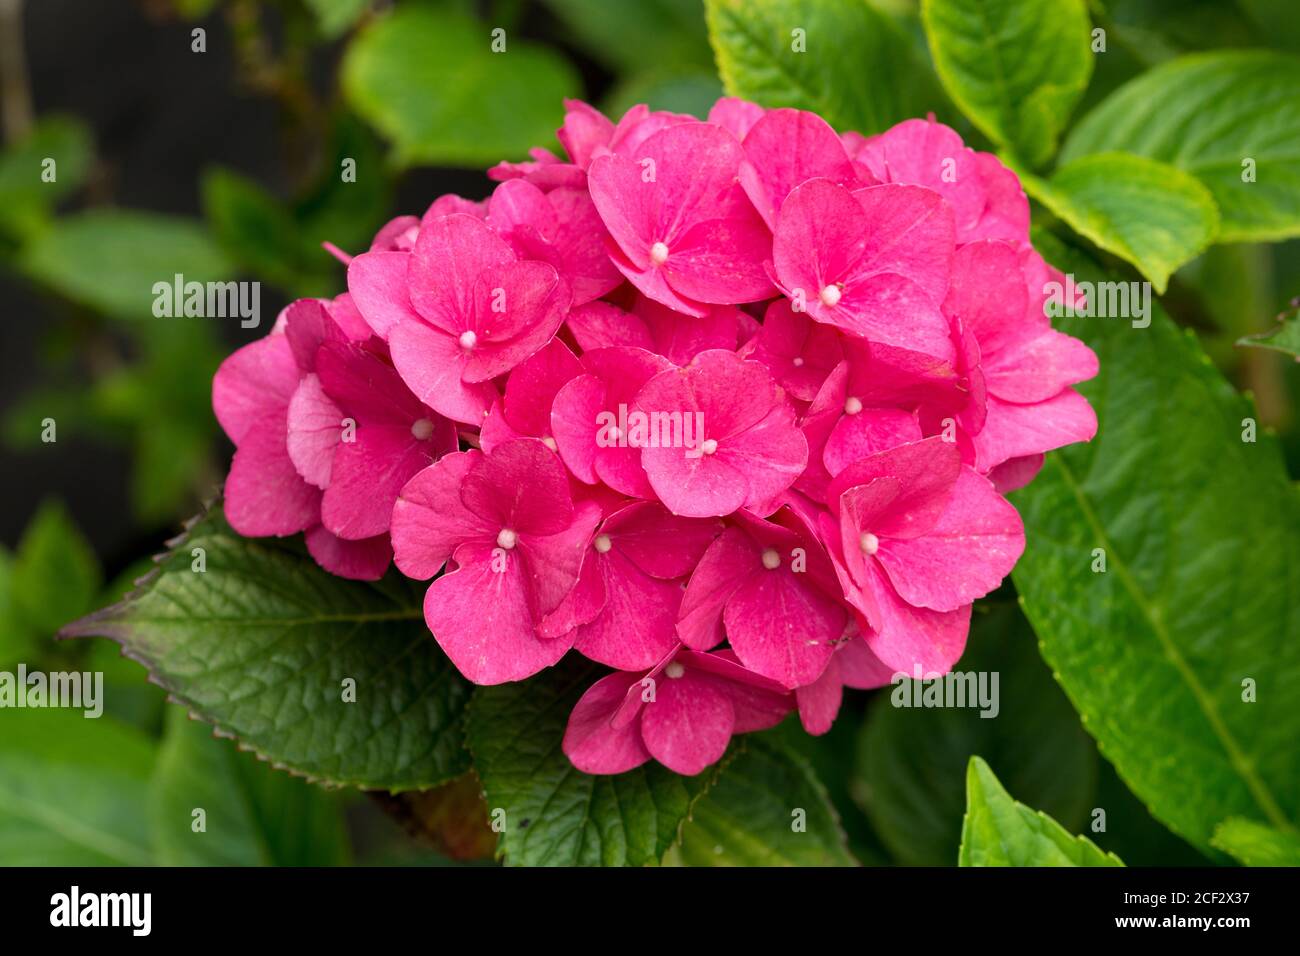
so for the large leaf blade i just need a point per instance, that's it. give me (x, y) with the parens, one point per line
(260, 644)
(1181, 656)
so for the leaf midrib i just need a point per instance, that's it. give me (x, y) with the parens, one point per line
(1259, 789)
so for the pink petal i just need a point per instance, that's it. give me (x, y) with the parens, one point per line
(364, 560)
(781, 625)
(449, 256)
(819, 702)
(254, 381)
(967, 553)
(657, 541)
(264, 493)
(314, 426)
(735, 115)
(377, 283)
(689, 723)
(886, 249)
(553, 562)
(786, 148)
(591, 743)
(429, 520)
(1016, 431)
(867, 432)
(636, 626)
(522, 486)
(431, 363)
(723, 568)
(480, 617)
(601, 325)
(908, 639)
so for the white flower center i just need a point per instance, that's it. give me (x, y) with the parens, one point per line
(549, 442)
(422, 429)
(852, 405)
(468, 339)
(659, 253)
(602, 543)
(709, 446)
(507, 539)
(771, 560)
(869, 543)
(674, 670)
(797, 361)
(831, 295)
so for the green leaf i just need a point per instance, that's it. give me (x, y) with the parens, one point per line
(1207, 114)
(55, 576)
(555, 815)
(911, 765)
(73, 790)
(261, 642)
(1257, 845)
(1283, 337)
(998, 831)
(829, 67)
(1015, 67)
(26, 197)
(767, 808)
(336, 16)
(648, 34)
(251, 815)
(430, 82)
(1148, 213)
(1178, 656)
(110, 259)
(692, 93)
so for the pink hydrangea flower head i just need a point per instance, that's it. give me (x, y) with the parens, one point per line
(508, 523)
(745, 449)
(874, 262)
(682, 713)
(683, 231)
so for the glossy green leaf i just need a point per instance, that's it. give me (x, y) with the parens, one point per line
(1283, 337)
(1257, 845)
(55, 575)
(767, 808)
(1179, 655)
(109, 259)
(1015, 67)
(212, 805)
(550, 814)
(911, 764)
(261, 643)
(1209, 114)
(999, 831)
(429, 81)
(1149, 213)
(73, 790)
(821, 55)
